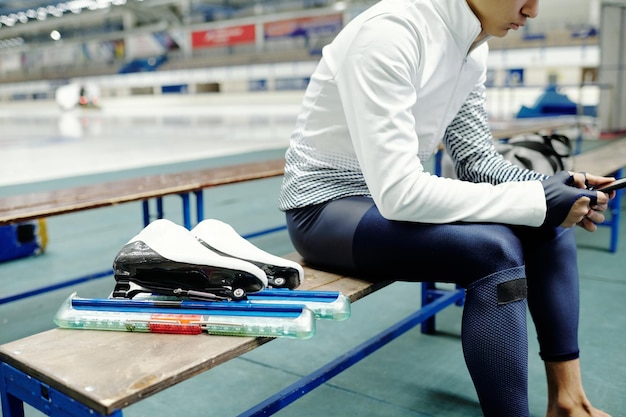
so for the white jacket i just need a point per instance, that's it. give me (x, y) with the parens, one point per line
(381, 100)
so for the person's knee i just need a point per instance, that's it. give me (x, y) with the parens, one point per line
(501, 246)
(492, 251)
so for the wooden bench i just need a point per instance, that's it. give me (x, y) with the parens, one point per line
(509, 128)
(98, 373)
(605, 159)
(36, 205)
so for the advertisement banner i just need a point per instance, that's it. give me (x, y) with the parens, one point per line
(229, 36)
(305, 26)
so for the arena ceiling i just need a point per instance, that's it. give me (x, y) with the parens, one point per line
(15, 6)
(36, 18)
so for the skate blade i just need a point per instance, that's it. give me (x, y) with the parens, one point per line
(325, 305)
(182, 317)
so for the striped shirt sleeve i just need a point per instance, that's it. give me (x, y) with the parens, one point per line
(469, 143)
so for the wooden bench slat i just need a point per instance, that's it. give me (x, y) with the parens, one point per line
(603, 160)
(36, 205)
(510, 128)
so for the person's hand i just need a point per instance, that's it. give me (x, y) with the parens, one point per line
(594, 216)
(589, 181)
(570, 203)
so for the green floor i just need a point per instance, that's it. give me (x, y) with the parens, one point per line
(415, 375)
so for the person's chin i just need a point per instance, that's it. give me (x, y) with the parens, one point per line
(500, 33)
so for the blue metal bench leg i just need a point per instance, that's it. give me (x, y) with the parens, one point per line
(438, 162)
(11, 405)
(159, 203)
(615, 207)
(199, 205)
(17, 388)
(428, 326)
(186, 210)
(145, 205)
(308, 383)
(147, 218)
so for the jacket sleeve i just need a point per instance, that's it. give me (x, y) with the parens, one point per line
(377, 88)
(470, 144)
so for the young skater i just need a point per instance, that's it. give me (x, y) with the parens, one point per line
(401, 78)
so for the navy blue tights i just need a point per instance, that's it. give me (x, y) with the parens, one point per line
(489, 260)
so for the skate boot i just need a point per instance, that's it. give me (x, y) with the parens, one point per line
(166, 259)
(223, 239)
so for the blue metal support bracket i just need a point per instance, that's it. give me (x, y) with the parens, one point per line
(430, 293)
(17, 388)
(308, 383)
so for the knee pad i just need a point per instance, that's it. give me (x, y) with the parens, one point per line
(500, 288)
(495, 342)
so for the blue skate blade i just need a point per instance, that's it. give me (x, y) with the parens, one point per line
(136, 316)
(300, 295)
(188, 307)
(327, 305)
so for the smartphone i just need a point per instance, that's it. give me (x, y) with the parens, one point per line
(612, 186)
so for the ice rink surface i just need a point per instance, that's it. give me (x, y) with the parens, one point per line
(40, 141)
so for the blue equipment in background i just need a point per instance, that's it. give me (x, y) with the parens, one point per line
(22, 239)
(553, 103)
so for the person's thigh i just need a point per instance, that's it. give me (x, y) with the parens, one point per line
(351, 234)
(323, 234)
(458, 252)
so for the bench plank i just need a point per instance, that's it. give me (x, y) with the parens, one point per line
(603, 160)
(510, 128)
(108, 370)
(36, 205)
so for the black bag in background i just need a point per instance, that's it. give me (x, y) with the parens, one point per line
(545, 154)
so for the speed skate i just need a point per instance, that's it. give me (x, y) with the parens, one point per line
(208, 280)
(165, 258)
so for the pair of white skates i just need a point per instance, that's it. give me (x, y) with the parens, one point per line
(210, 262)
